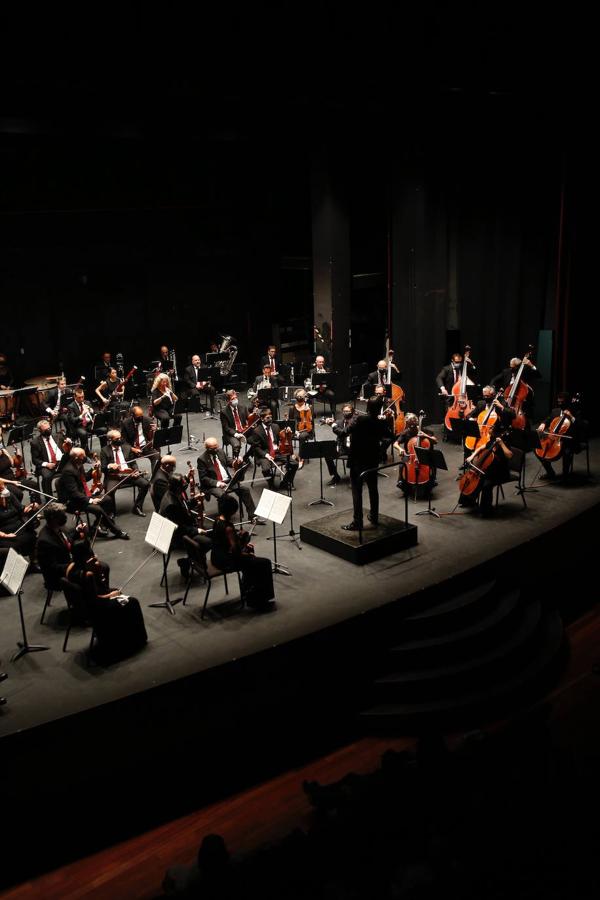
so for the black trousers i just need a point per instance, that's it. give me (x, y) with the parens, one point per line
(142, 487)
(244, 495)
(357, 486)
(100, 512)
(290, 467)
(164, 418)
(208, 393)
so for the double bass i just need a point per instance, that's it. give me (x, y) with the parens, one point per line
(461, 405)
(519, 392)
(397, 395)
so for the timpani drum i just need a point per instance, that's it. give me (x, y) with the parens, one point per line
(36, 403)
(7, 404)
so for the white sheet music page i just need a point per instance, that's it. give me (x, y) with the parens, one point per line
(159, 534)
(13, 572)
(273, 506)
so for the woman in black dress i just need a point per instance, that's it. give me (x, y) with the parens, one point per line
(117, 620)
(231, 552)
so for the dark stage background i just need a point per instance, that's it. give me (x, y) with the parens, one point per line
(123, 228)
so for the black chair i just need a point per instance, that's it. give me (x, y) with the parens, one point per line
(199, 565)
(516, 466)
(77, 616)
(49, 592)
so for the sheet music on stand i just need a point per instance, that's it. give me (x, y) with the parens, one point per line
(273, 506)
(13, 573)
(160, 533)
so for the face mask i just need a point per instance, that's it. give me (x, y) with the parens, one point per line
(347, 415)
(137, 419)
(234, 402)
(267, 421)
(117, 442)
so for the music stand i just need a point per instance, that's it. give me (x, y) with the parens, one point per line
(268, 397)
(318, 450)
(526, 441)
(191, 401)
(434, 458)
(273, 507)
(20, 433)
(159, 535)
(13, 573)
(329, 379)
(164, 437)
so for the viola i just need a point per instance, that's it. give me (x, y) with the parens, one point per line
(196, 496)
(97, 484)
(285, 442)
(461, 405)
(519, 393)
(305, 419)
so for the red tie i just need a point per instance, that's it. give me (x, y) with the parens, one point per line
(86, 489)
(236, 419)
(51, 452)
(271, 444)
(216, 468)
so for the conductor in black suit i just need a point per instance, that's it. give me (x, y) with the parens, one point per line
(366, 434)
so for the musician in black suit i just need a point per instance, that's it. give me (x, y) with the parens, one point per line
(116, 457)
(214, 476)
(266, 381)
(271, 359)
(138, 431)
(13, 516)
(366, 434)
(80, 419)
(47, 457)
(505, 379)
(58, 400)
(380, 375)
(324, 393)
(341, 429)
(264, 441)
(73, 491)
(234, 419)
(174, 507)
(160, 479)
(569, 407)
(448, 375)
(196, 386)
(54, 545)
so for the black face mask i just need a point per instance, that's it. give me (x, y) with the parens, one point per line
(117, 442)
(348, 415)
(138, 419)
(213, 452)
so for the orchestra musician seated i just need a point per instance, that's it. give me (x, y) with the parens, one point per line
(111, 393)
(264, 442)
(121, 470)
(406, 451)
(80, 421)
(72, 490)
(54, 544)
(163, 401)
(138, 431)
(214, 476)
(506, 378)
(567, 408)
(13, 516)
(47, 457)
(175, 507)
(234, 419)
(160, 479)
(490, 464)
(58, 400)
(196, 386)
(12, 469)
(323, 393)
(302, 415)
(266, 381)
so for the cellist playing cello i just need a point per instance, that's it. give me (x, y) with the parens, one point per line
(487, 467)
(416, 476)
(560, 435)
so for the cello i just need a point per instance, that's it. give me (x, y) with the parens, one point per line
(461, 405)
(482, 460)
(551, 447)
(417, 474)
(519, 392)
(486, 421)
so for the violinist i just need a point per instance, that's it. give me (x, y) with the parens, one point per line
(12, 517)
(341, 430)
(13, 469)
(567, 419)
(47, 457)
(80, 420)
(264, 441)
(72, 490)
(196, 386)
(234, 420)
(121, 470)
(231, 553)
(506, 378)
(160, 479)
(489, 465)
(324, 393)
(405, 445)
(214, 476)
(163, 401)
(175, 507)
(301, 413)
(138, 431)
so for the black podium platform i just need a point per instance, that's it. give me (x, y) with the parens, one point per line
(390, 536)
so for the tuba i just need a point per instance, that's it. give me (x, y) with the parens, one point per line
(227, 346)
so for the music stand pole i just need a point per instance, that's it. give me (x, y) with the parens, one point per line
(291, 535)
(191, 440)
(167, 603)
(277, 567)
(25, 646)
(312, 449)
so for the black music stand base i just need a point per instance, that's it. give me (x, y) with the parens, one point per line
(25, 646)
(167, 603)
(321, 500)
(430, 511)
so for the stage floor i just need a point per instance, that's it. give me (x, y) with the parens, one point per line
(322, 590)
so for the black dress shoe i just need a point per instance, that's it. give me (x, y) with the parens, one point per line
(3, 676)
(372, 519)
(351, 527)
(138, 511)
(122, 535)
(335, 480)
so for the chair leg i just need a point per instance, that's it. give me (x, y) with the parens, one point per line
(68, 633)
(225, 580)
(187, 587)
(46, 605)
(206, 598)
(91, 646)
(242, 598)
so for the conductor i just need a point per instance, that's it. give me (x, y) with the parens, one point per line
(366, 434)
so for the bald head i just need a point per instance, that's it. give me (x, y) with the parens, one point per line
(138, 412)
(211, 443)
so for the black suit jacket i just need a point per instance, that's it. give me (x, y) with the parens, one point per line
(66, 398)
(189, 376)
(227, 420)
(69, 488)
(445, 377)
(373, 377)
(502, 379)
(366, 435)
(53, 556)
(159, 487)
(129, 429)
(74, 416)
(40, 455)
(266, 361)
(173, 509)
(259, 442)
(107, 457)
(206, 470)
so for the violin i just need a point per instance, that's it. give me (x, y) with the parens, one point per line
(285, 441)
(461, 405)
(18, 464)
(416, 472)
(305, 419)
(519, 393)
